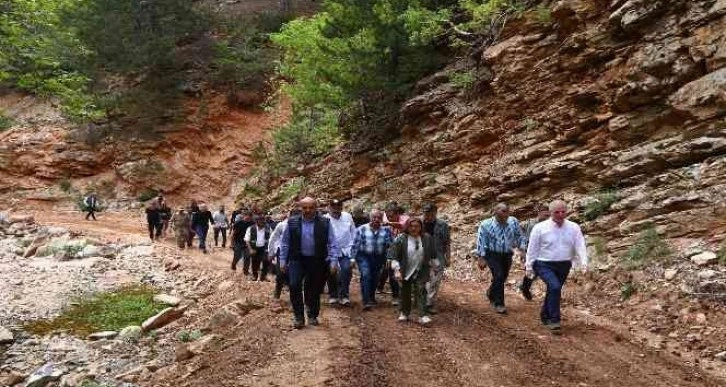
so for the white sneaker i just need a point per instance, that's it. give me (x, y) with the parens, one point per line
(333, 301)
(402, 318)
(425, 320)
(345, 301)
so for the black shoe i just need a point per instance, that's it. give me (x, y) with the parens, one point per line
(298, 323)
(313, 321)
(500, 309)
(234, 268)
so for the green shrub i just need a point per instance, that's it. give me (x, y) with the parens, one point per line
(108, 311)
(5, 121)
(463, 79)
(628, 290)
(600, 204)
(147, 195)
(722, 255)
(649, 246)
(292, 188)
(542, 15)
(65, 185)
(186, 336)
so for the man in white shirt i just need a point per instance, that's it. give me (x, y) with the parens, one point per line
(344, 232)
(273, 251)
(256, 238)
(554, 245)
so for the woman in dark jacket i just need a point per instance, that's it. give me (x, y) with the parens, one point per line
(411, 253)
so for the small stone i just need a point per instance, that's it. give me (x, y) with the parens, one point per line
(670, 274)
(90, 251)
(105, 335)
(43, 375)
(720, 356)
(11, 379)
(707, 274)
(130, 333)
(167, 299)
(705, 258)
(206, 344)
(6, 336)
(701, 318)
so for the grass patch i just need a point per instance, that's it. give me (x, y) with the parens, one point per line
(463, 79)
(600, 204)
(648, 247)
(542, 15)
(107, 311)
(627, 290)
(187, 336)
(5, 121)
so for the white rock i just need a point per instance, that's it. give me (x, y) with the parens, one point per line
(670, 274)
(721, 356)
(167, 299)
(707, 274)
(162, 318)
(138, 251)
(90, 251)
(705, 258)
(6, 336)
(43, 375)
(105, 335)
(207, 343)
(130, 333)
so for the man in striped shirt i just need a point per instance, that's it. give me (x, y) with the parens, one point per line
(369, 251)
(499, 237)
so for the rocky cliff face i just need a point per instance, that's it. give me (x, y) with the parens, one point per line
(627, 97)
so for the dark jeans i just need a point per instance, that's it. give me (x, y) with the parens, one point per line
(91, 213)
(415, 289)
(238, 251)
(154, 230)
(499, 264)
(202, 234)
(223, 231)
(260, 259)
(339, 284)
(369, 267)
(190, 237)
(307, 279)
(554, 274)
(388, 274)
(281, 279)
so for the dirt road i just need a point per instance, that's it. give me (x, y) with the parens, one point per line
(468, 344)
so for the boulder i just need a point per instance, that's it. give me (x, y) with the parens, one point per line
(130, 333)
(181, 353)
(90, 251)
(105, 335)
(162, 318)
(634, 14)
(34, 245)
(44, 375)
(6, 336)
(167, 299)
(704, 98)
(11, 379)
(704, 258)
(27, 219)
(707, 274)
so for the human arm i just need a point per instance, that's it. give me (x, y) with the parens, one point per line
(533, 247)
(481, 243)
(284, 248)
(333, 250)
(581, 249)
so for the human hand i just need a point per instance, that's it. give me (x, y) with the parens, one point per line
(481, 263)
(397, 275)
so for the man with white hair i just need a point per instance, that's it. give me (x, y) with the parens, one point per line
(554, 246)
(307, 250)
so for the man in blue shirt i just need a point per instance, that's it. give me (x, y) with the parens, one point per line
(499, 237)
(307, 250)
(369, 251)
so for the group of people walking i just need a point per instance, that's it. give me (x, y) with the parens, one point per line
(310, 248)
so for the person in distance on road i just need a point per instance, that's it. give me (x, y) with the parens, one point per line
(543, 213)
(439, 230)
(180, 224)
(344, 230)
(394, 218)
(201, 222)
(256, 238)
(369, 250)
(239, 247)
(220, 226)
(498, 238)
(165, 216)
(307, 253)
(411, 255)
(91, 205)
(554, 246)
(153, 220)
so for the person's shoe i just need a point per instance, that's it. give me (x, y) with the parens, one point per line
(402, 318)
(424, 320)
(345, 302)
(374, 302)
(234, 268)
(313, 321)
(395, 302)
(432, 310)
(298, 324)
(332, 301)
(204, 251)
(368, 306)
(554, 327)
(501, 309)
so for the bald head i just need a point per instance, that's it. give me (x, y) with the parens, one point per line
(308, 206)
